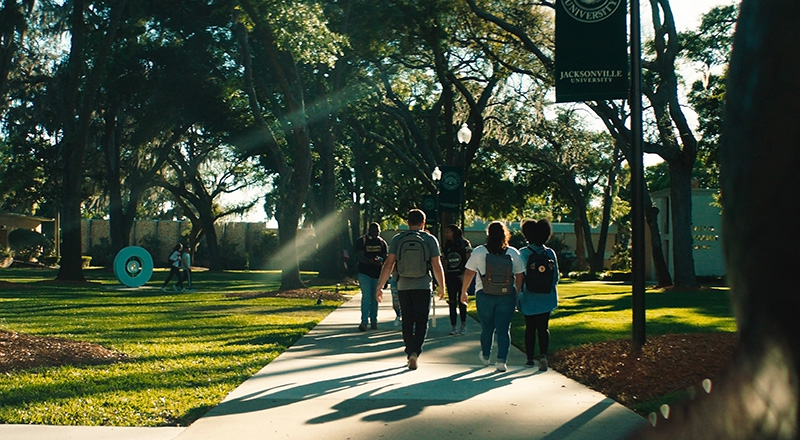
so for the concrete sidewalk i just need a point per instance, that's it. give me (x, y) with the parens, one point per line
(339, 383)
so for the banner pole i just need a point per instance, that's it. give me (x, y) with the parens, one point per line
(637, 181)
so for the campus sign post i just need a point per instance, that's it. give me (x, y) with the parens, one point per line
(592, 65)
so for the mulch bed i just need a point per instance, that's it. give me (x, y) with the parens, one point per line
(294, 293)
(665, 365)
(19, 351)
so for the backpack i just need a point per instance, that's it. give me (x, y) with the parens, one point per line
(412, 261)
(499, 276)
(171, 262)
(539, 272)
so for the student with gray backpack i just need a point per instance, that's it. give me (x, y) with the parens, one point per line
(501, 272)
(416, 254)
(539, 296)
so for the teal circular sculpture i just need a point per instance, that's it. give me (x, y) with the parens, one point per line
(133, 266)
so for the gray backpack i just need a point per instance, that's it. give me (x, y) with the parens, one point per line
(412, 255)
(499, 276)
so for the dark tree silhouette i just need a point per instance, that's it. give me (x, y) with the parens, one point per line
(758, 397)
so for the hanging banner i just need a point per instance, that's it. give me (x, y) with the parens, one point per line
(450, 188)
(591, 50)
(430, 208)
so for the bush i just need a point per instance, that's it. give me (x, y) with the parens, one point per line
(28, 245)
(231, 258)
(584, 276)
(621, 260)
(263, 250)
(152, 245)
(101, 253)
(51, 260)
(616, 275)
(5, 257)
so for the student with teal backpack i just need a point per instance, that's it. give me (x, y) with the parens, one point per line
(500, 268)
(539, 296)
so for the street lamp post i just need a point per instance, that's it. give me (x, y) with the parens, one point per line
(436, 176)
(464, 135)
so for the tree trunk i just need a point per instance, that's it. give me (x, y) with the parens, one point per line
(71, 267)
(663, 278)
(682, 240)
(80, 92)
(290, 265)
(580, 246)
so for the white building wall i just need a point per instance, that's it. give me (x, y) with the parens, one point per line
(709, 259)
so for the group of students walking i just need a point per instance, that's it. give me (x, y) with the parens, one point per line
(180, 268)
(503, 279)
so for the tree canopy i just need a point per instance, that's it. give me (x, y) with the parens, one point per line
(340, 110)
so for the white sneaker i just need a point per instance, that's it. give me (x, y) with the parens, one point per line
(500, 366)
(484, 360)
(453, 331)
(543, 363)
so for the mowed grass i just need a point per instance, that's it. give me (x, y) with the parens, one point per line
(187, 351)
(595, 311)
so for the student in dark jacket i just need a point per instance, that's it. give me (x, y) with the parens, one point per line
(455, 253)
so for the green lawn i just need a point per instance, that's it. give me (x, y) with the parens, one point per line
(595, 311)
(187, 350)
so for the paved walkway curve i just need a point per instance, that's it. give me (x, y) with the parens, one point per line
(339, 383)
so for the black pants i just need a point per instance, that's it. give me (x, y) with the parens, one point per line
(453, 283)
(174, 272)
(537, 325)
(415, 306)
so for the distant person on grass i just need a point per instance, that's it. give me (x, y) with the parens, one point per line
(371, 252)
(501, 273)
(186, 268)
(538, 297)
(174, 269)
(416, 254)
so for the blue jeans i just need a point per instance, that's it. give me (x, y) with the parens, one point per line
(495, 313)
(369, 305)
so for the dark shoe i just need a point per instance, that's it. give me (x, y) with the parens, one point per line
(543, 363)
(374, 326)
(362, 327)
(412, 361)
(530, 364)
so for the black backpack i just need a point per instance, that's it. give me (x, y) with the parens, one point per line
(539, 272)
(499, 276)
